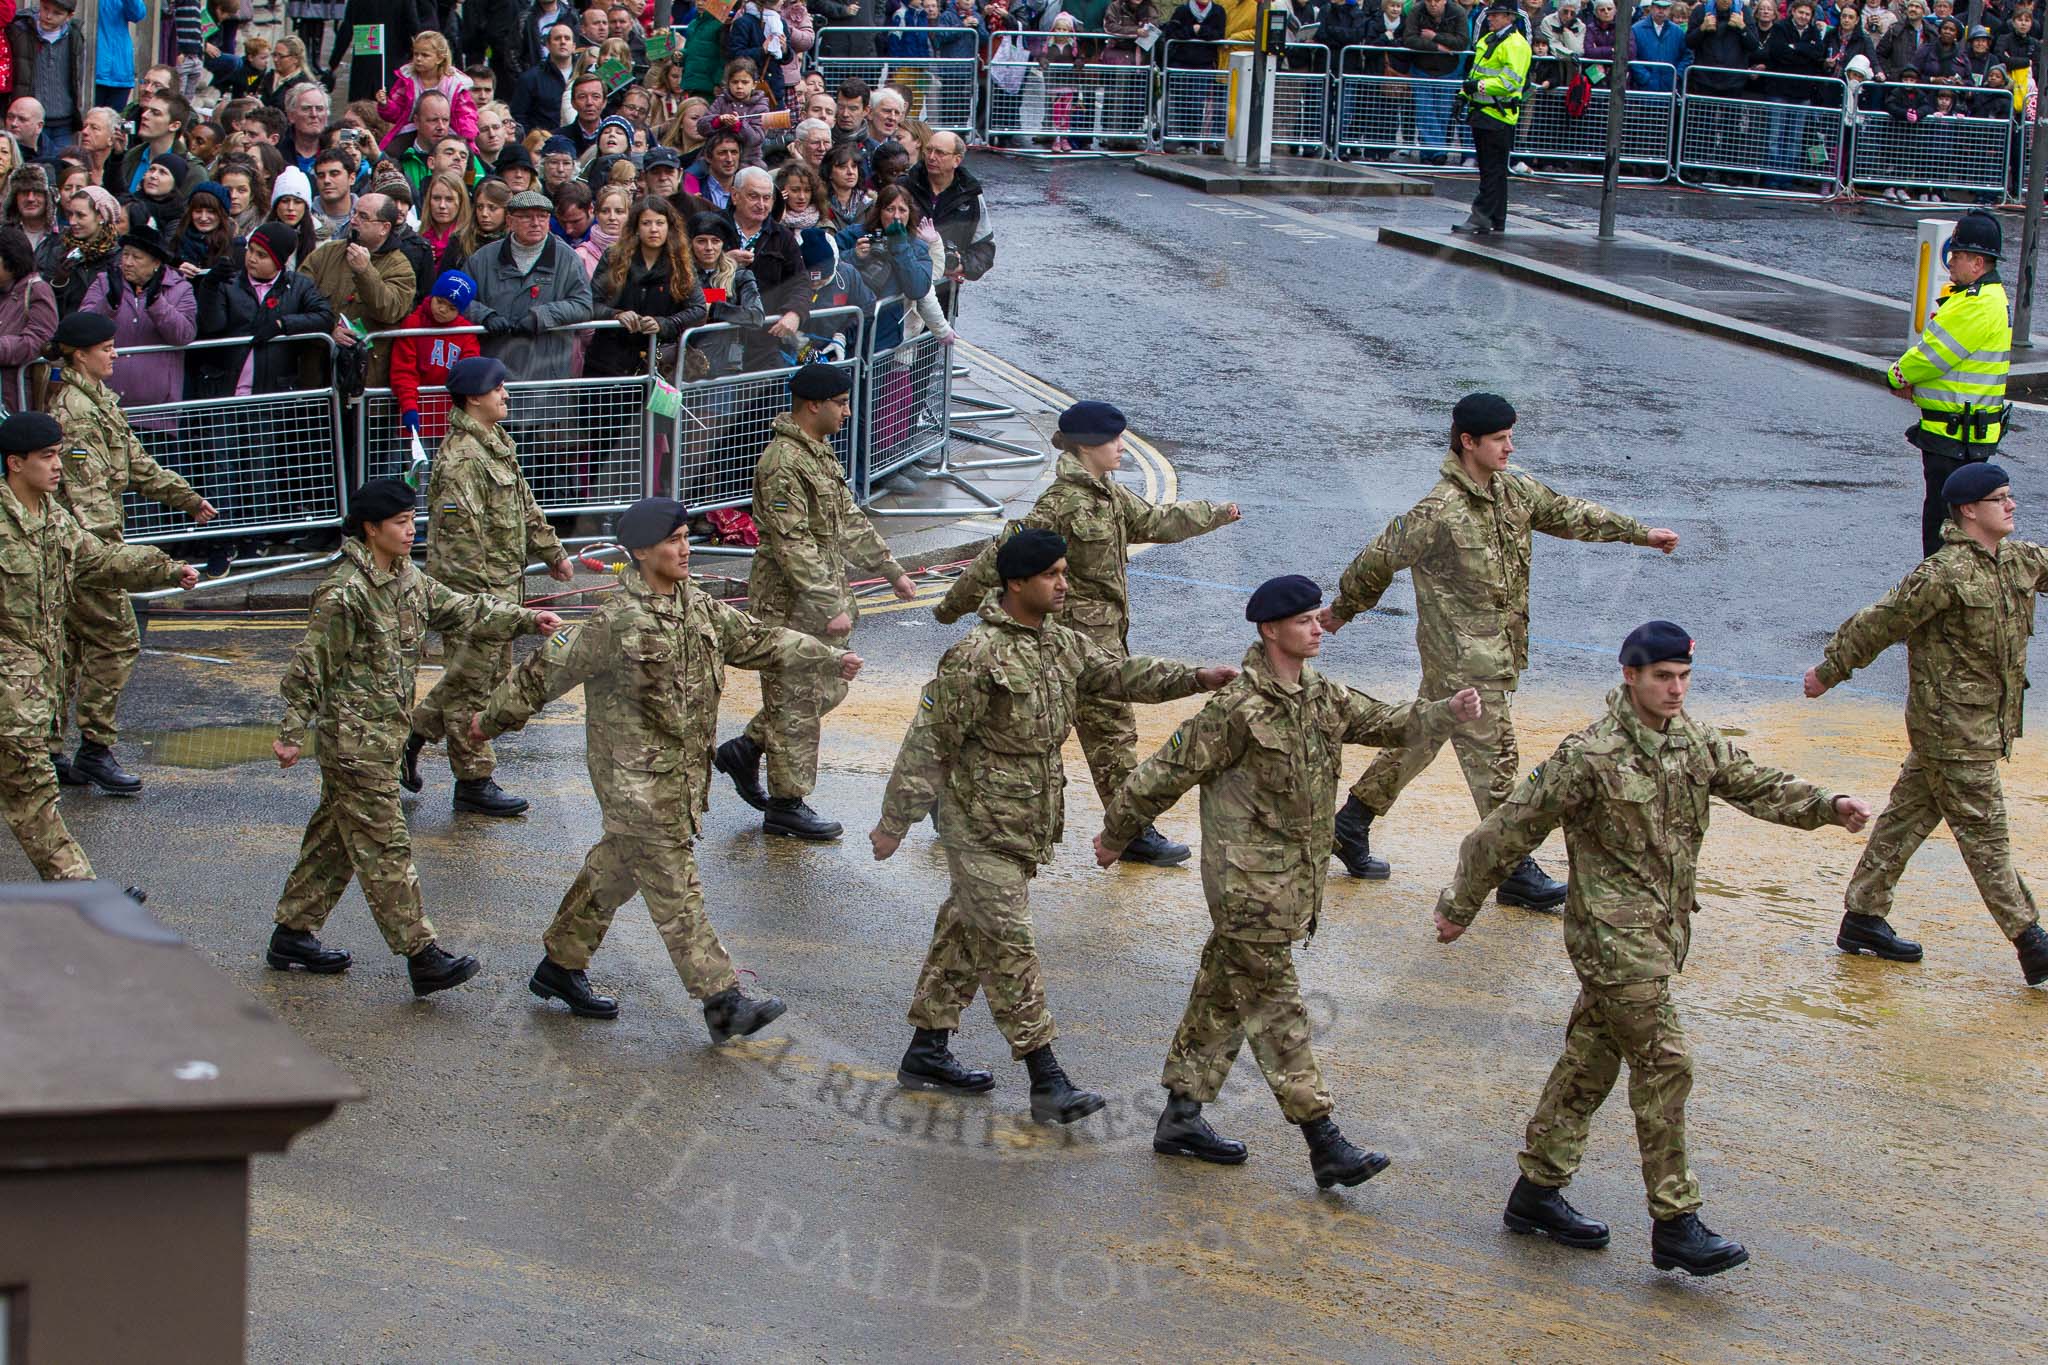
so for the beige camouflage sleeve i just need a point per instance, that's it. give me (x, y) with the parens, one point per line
(1396, 548)
(476, 615)
(1884, 623)
(1166, 523)
(1206, 743)
(974, 585)
(1768, 793)
(573, 655)
(1374, 722)
(1138, 678)
(1569, 518)
(744, 642)
(947, 711)
(1536, 806)
(329, 632)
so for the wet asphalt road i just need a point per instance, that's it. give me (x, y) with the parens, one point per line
(521, 1186)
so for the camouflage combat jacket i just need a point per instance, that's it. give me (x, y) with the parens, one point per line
(985, 745)
(103, 459)
(1266, 754)
(1101, 520)
(652, 667)
(482, 521)
(1468, 547)
(1633, 803)
(43, 556)
(811, 531)
(355, 674)
(1965, 614)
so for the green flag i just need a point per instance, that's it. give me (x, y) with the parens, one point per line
(369, 40)
(657, 45)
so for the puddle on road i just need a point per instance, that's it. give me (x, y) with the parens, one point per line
(211, 746)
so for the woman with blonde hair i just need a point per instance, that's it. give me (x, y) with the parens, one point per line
(432, 68)
(682, 134)
(608, 215)
(444, 219)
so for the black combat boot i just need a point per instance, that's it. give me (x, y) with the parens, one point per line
(1873, 934)
(1182, 1131)
(733, 1013)
(928, 1064)
(1685, 1243)
(433, 969)
(2033, 949)
(792, 817)
(1053, 1097)
(409, 766)
(95, 763)
(552, 981)
(1353, 845)
(1531, 888)
(1154, 849)
(740, 760)
(291, 948)
(483, 796)
(65, 776)
(1334, 1160)
(136, 894)
(1539, 1208)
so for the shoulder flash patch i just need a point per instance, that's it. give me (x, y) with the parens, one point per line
(926, 701)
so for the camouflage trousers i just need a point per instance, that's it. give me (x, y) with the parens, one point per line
(1247, 990)
(1968, 795)
(358, 830)
(472, 671)
(790, 723)
(1610, 1025)
(1108, 728)
(28, 794)
(1485, 748)
(983, 939)
(101, 646)
(664, 872)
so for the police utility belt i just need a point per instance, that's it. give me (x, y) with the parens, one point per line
(1969, 425)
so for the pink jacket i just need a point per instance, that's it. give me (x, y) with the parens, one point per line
(803, 34)
(397, 110)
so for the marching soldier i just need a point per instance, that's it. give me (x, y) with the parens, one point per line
(351, 683)
(1493, 91)
(652, 662)
(1266, 752)
(1631, 791)
(46, 558)
(1965, 614)
(104, 461)
(1955, 372)
(1101, 520)
(985, 747)
(1468, 546)
(482, 525)
(812, 531)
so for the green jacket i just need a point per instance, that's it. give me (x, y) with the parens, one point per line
(482, 521)
(354, 675)
(652, 667)
(103, 459)
(985, 746)
(1267, 755)
(1468, 546)
(1633, 804)
(1101, 520)
(1965, 614)
(1958, 364)
(811, 531)
(703, 55)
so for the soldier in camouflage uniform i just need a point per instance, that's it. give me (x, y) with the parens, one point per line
(103, 461)
(482, 525)
(1266, 751)
(1467, 546)
(1965, 613)
(46, 557)
(812, 532)
(1631, 791)
(985, 748)
(351, 684)
(652, 662)
(1100, 520)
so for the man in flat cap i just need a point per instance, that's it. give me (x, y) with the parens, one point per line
(1632, 792)
(1965, 613)
(482, 526)
(812, 535)
(1265, 751)
(1467, 545)
(46, 557)
(985, 749)
(351, 683)
(1100, 520)
(652, 662)
(103, 460)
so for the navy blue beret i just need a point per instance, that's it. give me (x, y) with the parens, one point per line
(1030, 553)
(1276, 599)
(815, 383)
(475, 375)
(27, 432)
(1973, 483)
(1656, 642)
(1092, 424)
(650, 521)
(379, 500)
(1482, 414)
(81, 330)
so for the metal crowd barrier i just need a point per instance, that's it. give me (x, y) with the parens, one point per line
(1772, 145)
(1969, 154)
(1301, 100)
(1383, 117)
(1034, 97)
(908, 401)
(1548, 134)
(1194, 101)
(944, 90)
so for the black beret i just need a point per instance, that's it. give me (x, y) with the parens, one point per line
(85, 329)
(650, 521)
(1482, 414)
(1030, 553)
(1656, 642)
(379, 500)
(476, 374)
(815, 383)
(27, 432)
(1092, 424)
(1973, 483)
(1276, 599)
